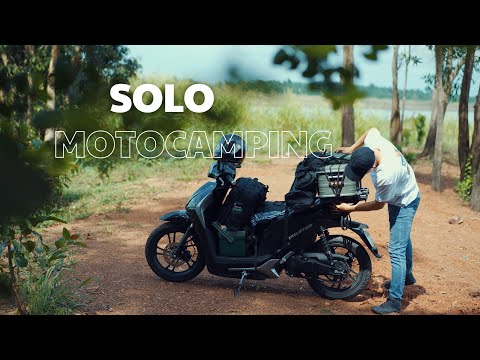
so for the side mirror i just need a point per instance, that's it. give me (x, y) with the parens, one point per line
(213, 171)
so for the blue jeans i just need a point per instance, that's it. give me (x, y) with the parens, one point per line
(400, 246)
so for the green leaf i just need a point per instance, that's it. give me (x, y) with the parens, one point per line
(24, 227)
(39, 250)
(42, 262)
(40, 219)
(37, 143)
(60, 243)
(29, 245)
(20, 260)
(56, 256)
(66, 234)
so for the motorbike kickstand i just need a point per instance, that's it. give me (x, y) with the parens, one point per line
(236, 292)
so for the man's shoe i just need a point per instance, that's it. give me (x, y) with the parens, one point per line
(390, 306)
(409, 280)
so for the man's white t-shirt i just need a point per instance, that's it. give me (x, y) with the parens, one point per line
(394, 179)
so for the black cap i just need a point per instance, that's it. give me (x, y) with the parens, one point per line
(360, 162)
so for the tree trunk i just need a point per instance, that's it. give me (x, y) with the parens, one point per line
(441, 99)
(348, 125)
(395, 135)
(451, 75)
(404, 98)
(50, 132)
(4, 59)
(463, 133)
(475, 150)
(14, 283)
(73, 93)
(29, 52)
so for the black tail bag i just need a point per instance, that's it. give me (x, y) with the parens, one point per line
(241, 203)
(304, 187)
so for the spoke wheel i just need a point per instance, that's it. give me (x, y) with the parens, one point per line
(356, 270)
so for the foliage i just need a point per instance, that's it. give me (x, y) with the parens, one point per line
(454, 57)
(323, 74)
(42, 284)
(411, 157)
(464, 188)
(32, 177)
(419, 122)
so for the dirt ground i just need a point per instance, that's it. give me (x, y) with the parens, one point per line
(446, 258)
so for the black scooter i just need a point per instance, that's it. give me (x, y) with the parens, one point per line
(299, 242)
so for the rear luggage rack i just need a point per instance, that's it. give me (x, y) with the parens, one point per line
(333, 185)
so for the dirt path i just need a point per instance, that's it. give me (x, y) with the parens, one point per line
(446, 259)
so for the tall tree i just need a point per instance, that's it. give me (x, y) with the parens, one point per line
(408, 58)
(395, 131)
(475, 150)
(29, 53)
(450, 73)
(50, 132)
(3, 74)
(438, 107)
(463, 131)
(348, 125)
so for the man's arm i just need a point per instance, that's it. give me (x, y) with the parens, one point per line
(351, 149)
(368, 206)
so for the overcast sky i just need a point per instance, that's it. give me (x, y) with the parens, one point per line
(211, 63)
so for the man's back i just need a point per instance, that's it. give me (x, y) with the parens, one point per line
(394, 179)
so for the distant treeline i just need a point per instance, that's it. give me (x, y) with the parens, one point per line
(372, 91)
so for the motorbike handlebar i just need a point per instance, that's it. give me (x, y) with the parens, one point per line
(230, 179)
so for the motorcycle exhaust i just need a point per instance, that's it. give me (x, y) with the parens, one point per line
(309, 264)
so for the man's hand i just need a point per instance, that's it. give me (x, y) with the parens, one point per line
(344, 150)
(344, 207)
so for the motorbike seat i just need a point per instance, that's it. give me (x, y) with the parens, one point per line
(268, 211)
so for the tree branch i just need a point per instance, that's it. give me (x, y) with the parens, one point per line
(454, 73)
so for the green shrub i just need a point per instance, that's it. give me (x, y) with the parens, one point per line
(48, 293)
(410, 157)
(464, 188)
(406, 137)
(419, 122)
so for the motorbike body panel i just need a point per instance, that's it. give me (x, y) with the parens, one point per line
(274, 237)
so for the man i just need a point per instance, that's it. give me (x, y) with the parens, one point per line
(395, 185)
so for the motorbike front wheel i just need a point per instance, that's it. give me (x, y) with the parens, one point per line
(357, 276)
(160, 248)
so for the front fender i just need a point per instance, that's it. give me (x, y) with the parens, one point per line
(360, 230)
(178, 217)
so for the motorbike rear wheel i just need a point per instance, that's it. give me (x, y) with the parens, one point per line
(159, 253)
(359, 270)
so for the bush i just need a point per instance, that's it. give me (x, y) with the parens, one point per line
(464, 188)
(419, 122)
(48, 293)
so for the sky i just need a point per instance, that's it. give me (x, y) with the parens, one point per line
(211, 63)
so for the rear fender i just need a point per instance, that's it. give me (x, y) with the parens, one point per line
(360, 230)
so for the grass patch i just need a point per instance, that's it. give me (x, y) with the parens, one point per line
(49, 294)
(89, 194)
